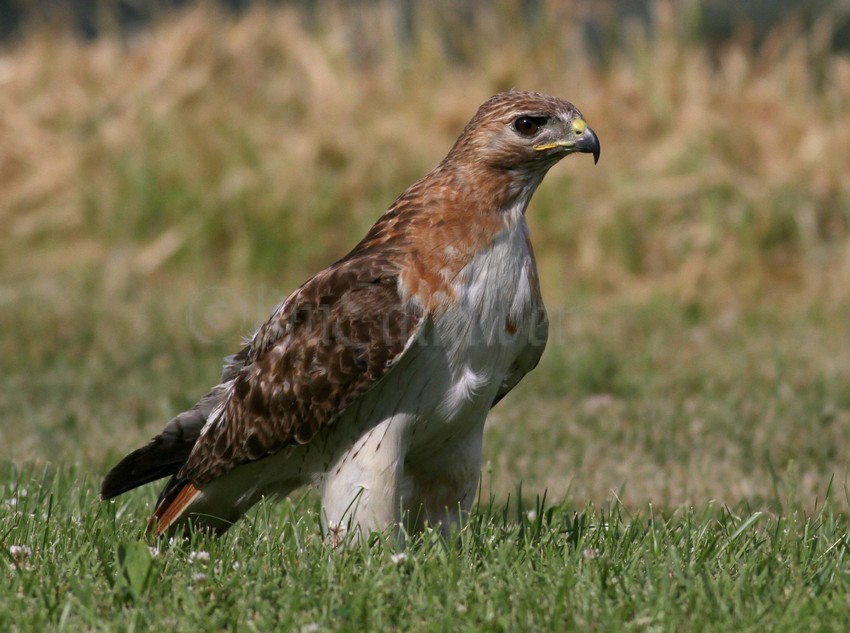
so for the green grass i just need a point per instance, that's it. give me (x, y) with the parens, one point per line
(534, 568)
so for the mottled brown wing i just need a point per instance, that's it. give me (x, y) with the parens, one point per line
(328, 344)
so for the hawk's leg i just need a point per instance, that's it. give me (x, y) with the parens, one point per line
(362, 487)
(444, 483)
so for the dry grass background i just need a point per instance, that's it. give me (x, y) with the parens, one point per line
(161, 191)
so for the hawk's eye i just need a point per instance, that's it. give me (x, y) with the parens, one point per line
(528, 125)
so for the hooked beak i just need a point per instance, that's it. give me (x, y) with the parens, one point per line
(582, 139)
(589, 143)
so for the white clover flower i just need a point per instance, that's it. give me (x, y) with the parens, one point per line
(20, 556)
(399, 559)
(199, 557)
(20, 552)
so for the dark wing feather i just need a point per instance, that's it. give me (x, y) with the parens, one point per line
(327, 345)
(166, 453)
(234, 363)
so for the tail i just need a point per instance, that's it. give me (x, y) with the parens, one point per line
(173, 503)
(211, 508)
(166, 454)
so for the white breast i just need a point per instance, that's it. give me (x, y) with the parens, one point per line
(490, 323)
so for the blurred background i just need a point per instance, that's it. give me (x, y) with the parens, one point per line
(170, 171)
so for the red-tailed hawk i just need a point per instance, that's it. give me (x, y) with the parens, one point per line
(372, 380)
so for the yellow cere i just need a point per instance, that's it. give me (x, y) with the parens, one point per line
(579, 126)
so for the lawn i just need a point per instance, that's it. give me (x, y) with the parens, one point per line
(678, 461)
(76, 564)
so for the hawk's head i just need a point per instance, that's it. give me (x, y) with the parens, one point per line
(525, 131)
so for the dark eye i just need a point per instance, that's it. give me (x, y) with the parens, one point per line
(528, 125)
